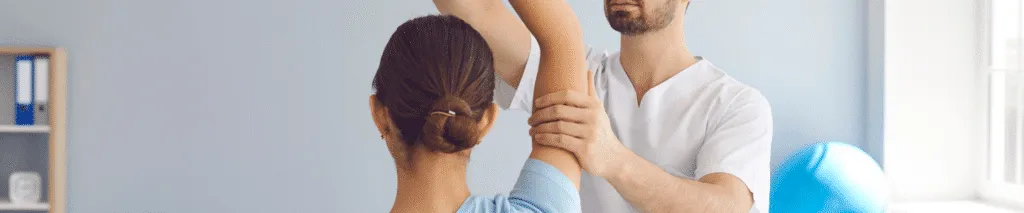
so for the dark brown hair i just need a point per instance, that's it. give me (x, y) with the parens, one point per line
(436, 78)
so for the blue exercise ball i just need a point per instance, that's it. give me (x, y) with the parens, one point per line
(829, 177)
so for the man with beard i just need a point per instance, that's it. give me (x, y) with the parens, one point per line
(666, 131)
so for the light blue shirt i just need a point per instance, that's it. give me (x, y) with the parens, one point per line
(541, 188)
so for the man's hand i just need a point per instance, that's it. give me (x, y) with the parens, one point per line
(578, 123)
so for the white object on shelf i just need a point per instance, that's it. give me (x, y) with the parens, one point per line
(42, 88)
(26, 187)
(6, 205)
(24, 129)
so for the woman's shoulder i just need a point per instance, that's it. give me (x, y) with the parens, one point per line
(475, 204)
(541, 188)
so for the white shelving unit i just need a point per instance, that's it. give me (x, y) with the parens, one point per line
(6, 205)
(24, 129)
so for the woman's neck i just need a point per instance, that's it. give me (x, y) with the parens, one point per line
(432, 182)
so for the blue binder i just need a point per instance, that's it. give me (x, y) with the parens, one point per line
(24, 109)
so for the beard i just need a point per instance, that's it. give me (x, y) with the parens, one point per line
(631, 24)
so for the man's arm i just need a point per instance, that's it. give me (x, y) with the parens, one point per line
(736, 150)
(506, 35)
(650, 189)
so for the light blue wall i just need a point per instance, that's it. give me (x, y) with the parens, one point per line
(808, 57)
(260, 106)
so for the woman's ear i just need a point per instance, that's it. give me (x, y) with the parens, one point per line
(382, 118)
(380, 115)
(488, 119)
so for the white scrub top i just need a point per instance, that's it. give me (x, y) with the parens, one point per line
(698, 122)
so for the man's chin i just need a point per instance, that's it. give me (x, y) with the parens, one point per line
(629, 31)
(626, 26)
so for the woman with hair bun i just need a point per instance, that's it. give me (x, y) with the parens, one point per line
(434, 102)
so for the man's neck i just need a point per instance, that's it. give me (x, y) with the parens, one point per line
(651, 58)
(432, 184)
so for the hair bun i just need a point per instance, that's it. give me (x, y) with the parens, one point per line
(450, 126)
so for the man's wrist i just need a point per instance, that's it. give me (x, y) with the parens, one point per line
(620, 165)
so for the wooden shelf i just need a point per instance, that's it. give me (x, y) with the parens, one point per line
(28, 50)
(6, 205)
(56, 132)
(24, 129)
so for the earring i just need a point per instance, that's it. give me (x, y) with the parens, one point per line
(381, 136)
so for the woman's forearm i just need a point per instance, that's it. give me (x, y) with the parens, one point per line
(553, 23)
(557, 30)
(562, 59)
(562, 65)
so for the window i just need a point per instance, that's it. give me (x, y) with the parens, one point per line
(1004, 67)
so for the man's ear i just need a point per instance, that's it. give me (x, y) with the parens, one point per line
(488, 119)
(380, 115)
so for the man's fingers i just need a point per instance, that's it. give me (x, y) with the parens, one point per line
(564, 97)
(560, 127)
(558, 113)
(566, 142)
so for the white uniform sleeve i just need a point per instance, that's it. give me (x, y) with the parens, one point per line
(740, 144)
(521, 97)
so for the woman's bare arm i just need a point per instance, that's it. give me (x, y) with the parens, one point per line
(562, 65)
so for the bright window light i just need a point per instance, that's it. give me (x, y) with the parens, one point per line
(1004, 67)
